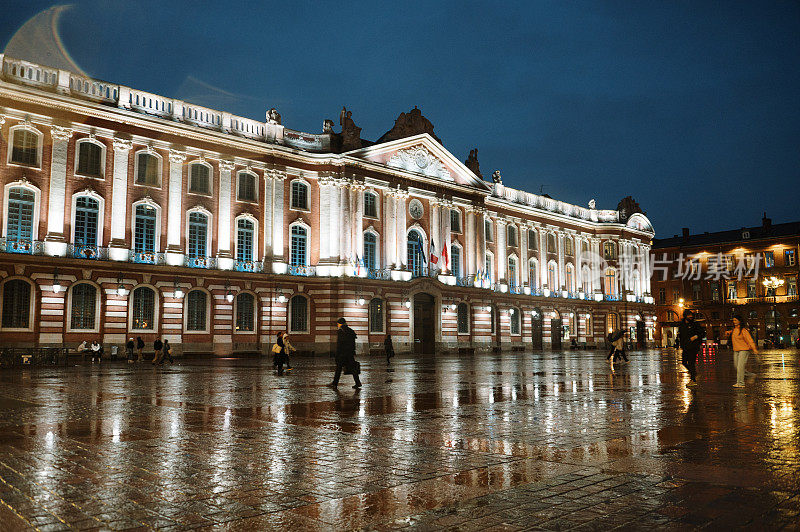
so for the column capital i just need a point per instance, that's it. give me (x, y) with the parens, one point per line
(122, 144)
(226, 165)
(277, 175)
(176, 156)
(61, 132)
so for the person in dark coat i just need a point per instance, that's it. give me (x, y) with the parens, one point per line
(167, 350)
(388, 348)
(129, 347)
(139, 348)
(691, 335)
(346, 354)
(158, 347)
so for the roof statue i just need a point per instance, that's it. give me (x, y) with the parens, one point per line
(327, 126)
(273, 116)
(351, 133)
(408, 125)
(627, 207)
(497, 178)
(592, 204)
(472, 163)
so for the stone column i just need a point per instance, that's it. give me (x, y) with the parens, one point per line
(56, 240)
(357, 193)
(646, 270)
(118, 247)
(561, 270)
(523, 255)
(402, 230)
(447, 234)
(470, 253)
(480, 240)
(335, 222)
(279, 264)
(390, 230)
(269, 191)
(543, 259)
(597, 269)
(435, 235)
(501, 251)
(578, 270)
(326, 231)
(347, 227)
(224, 240)
(175, 255)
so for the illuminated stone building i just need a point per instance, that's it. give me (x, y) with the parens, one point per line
(715, 288)
(128, 214)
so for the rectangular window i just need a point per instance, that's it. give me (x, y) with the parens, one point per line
(199, 179)
(90, 159)
(370, 205)
(25, 148)
(769, 259)
(145, 230)
(455, 220)
(197, 236)
(532, 240)
(147, 169)
(732, 290)
(376, 316)
(676, 295)
(751, 288)
(662, 296)
(244, 241)
(789, 258)
(247, 187)
(791, 285)
(696, 292)
(715, 293)
(487, 225)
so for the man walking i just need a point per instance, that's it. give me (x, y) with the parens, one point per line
(158, 347)
(346, 354)
(691, 335)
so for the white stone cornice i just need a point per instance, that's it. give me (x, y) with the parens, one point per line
(227, 165)
(61, 132)
(2, 120)
(176, 156)
(122, 144)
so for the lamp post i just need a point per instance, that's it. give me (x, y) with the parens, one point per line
(772, 284)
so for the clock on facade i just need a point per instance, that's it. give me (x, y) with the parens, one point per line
(415, 209)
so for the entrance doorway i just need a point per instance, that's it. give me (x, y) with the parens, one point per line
(556, 331)
(640, 335)
(424, 324)
(536, 326)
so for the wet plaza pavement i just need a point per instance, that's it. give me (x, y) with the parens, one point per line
(521, 441)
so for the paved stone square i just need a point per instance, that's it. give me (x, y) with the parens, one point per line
(521, 441)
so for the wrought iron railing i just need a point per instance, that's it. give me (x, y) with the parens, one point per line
(208, 263)
(81, 251)
(303, 271)
(146, 257)
(468, 280)
(424, 272)
(612, 297)
(514, 289)
(28, 247)
(248, 266)
(383, 274)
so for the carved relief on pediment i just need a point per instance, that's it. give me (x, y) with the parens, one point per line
(418, 159)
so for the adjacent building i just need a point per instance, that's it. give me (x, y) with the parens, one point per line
(128, 214)
(750, 271)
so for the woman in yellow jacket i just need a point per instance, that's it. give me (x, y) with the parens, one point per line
(742, 345)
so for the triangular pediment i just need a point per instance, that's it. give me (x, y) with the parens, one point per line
(423, 156)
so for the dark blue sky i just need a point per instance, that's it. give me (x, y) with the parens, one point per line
(691, 107)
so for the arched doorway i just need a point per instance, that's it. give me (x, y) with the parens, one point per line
(425, 321)
(536, 328)
(556, 330)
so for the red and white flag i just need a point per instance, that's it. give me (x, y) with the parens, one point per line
(445, 258)
(434, 258)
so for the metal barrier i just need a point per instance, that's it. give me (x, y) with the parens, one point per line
(33, 356)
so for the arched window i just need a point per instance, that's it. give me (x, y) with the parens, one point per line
(609, 250)
(551, 243)
(245, 312)
(90, 159)
(370, 204)
(586, 280)
(198, 235)
(196, 311)
(455, 220)
(511, 233)
(533, 240)
(299, 195)
(143, 309)
(245, 230)
(455, 260)
(533, 273)
(552, 276)
(512, 272)
(246, 189)
(148, 169)
(298, 314)
(299, 246)
(87, 211)
(462, 317)
(144, 230)
(370, 250)
(83, 306)
(569, 250)
(199, 178)
(21, 203)
(613, 321)
(376, 316)
(416, 261)
(610, 284)
(16, 304)
(515, 316)
(25, 147)
(569, 281)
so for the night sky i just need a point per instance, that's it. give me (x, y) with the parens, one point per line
(691, 107)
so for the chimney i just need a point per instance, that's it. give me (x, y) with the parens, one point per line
(685, 232)
(766, 222)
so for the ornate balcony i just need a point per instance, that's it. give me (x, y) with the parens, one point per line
(469, 281)
(248, 266)
(381, 274)
(514, 289)
(80, 251)
(28, 247)
(146, 257)
(209, 263)
(302, 271)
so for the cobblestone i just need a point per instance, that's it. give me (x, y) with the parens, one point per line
(524, 441)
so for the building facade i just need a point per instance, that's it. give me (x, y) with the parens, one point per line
(751, 272)
(130, 214)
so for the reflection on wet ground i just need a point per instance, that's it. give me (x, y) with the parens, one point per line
(514, 441)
